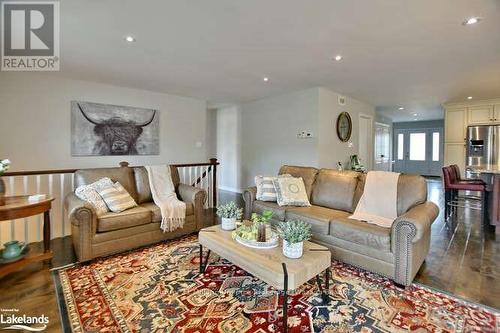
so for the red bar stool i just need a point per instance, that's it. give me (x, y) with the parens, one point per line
(451, 187)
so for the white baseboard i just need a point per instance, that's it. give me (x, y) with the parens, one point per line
(230, 189)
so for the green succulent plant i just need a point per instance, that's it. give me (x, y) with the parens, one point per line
(262, 218)
(230, 211)
(294, 231)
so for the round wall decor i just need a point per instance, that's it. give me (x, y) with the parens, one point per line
(344, 126)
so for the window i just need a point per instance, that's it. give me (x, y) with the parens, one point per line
(401, 142)
(417, 146)
(435, 146)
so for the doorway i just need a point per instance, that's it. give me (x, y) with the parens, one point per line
(382, 155)
(365, 151)
(418, 151)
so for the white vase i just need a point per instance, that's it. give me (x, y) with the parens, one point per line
(293, 250)
(228, 223)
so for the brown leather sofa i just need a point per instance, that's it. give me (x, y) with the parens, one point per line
(116, 232)
(396, 252)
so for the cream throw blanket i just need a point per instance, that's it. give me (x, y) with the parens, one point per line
(379, 202)
(173, 211)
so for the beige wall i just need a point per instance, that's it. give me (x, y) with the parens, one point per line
(330, 149)
(35, 122)
(270, 127)
(269, 133)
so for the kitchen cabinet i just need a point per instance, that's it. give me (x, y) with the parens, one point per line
(454, 125)
(454, 153)
(481, 114)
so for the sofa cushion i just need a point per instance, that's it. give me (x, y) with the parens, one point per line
(123, 175)
(126, 219)
(335, 189)
(362, 233)
(308, 175)
(412, 190)
(156, 213)
(142, 184)
(261, 206)
(318, 217)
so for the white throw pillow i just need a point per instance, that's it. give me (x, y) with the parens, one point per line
(89, 194)
(265, 187)
(291, 191)
(117, 198)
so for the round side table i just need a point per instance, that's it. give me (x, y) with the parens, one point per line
(17, 207)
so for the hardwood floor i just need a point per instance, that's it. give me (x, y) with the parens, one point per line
(463, 260)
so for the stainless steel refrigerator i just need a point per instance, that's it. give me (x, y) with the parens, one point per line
(483, 146)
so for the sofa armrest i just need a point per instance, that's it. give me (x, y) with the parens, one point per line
(249, 198)
(78, 210)
(196, 196)
(410, 240)
(83, 219)
(417, 220)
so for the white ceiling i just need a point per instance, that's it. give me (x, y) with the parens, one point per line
(414, 53)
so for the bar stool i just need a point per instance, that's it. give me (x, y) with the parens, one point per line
(458, 176)
(451, 187)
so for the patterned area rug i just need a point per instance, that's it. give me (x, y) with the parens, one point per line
(158, 289)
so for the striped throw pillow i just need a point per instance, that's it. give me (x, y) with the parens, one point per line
(265, 187)
(117, 198)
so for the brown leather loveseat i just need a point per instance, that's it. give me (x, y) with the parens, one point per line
(116, 232)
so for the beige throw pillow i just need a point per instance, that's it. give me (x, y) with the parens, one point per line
(291, 191)
(265, 187)
(89, 194)
(117, 198)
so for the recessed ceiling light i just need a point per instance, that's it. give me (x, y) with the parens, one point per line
(470, 97)
(401, 108)
(266, 79)
(338, 57)
(130, 39)
(471, 20)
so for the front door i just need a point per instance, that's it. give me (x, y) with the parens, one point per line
(418, 151)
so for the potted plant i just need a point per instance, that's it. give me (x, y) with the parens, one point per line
(260, 222)
(229, 213)
(4, 166)
(294, 233)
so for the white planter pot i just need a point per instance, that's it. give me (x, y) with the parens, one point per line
(228, 223)
(293, 250)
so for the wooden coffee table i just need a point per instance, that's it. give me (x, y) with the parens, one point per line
(269, 265)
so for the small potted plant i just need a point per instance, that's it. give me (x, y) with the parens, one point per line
(4, 166)
(294, 233)
(229, 213)
(260, 222)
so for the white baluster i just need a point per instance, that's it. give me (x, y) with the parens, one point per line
(25, 191)
(39, 222)
(61, 200)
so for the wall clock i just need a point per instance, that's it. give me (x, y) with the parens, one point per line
(344, 126)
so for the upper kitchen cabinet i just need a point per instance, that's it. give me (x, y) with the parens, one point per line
(455, 123)
(481, 114)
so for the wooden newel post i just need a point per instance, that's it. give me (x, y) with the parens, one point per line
(214, 163)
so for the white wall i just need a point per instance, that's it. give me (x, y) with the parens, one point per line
(269, 133)
(35, 122)
(270, 127)
(228, 147)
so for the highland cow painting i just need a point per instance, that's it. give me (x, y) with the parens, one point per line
(103, 129)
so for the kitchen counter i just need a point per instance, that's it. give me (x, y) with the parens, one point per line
(491, 176)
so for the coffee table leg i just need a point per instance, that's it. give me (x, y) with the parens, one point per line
(285, 298)
(201, 258)
(324, 293)
(203, 265)
(46, 231)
